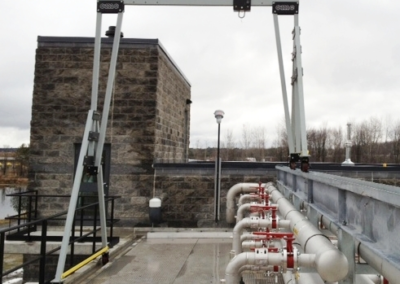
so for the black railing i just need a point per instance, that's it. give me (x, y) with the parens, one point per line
(26, 225)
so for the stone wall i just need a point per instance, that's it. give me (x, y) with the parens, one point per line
(189, 200)
(146, 120)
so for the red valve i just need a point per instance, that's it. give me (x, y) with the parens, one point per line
(289, 237)
(274, 235)
(259, 207)
(290, 253)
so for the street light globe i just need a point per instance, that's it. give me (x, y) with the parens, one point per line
(219, 115)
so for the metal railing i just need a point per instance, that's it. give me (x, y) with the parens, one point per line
(26, 225)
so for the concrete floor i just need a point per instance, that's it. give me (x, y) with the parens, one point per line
(172, 260)
(178, 261)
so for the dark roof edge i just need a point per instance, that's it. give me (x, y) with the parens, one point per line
(54, 39)
(173, 63)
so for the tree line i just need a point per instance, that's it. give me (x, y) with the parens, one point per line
(372, 141)
(14, 161)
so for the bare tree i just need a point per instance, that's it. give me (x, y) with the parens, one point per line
(366, 138)
(245, 141)
(336, 144)
(394, 135)
(5, 158)
(317, 143)
(259, 141)
(22, 157)
(281, 144)
(230, 145)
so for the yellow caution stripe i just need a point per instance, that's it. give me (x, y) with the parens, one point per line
(83, 263)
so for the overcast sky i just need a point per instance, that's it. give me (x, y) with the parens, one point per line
(351, 60)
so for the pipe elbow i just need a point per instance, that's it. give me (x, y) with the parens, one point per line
(332, 265)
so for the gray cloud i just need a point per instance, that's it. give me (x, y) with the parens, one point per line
(350, 60)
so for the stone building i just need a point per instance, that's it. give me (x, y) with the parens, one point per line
(149, 118)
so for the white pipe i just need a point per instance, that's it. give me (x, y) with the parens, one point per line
(331, 264)
(231, 196)
(379, 264)
(240, 213)
(255, 268)
(232, 275)
(368, 279)
(244, 198)
(302, 278)
(391, 273)
(256, 243)
(308, 278)
(252, 222)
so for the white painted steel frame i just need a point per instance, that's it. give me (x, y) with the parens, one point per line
(295, 123)
(96, 149)
(199, 2)
(91, 147)
(283, 85)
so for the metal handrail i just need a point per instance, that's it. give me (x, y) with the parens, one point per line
(43, 222)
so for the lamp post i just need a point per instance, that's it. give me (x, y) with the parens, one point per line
(219, 114)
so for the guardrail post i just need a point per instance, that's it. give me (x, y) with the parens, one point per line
(71, 257)
(42, 264)
(346, 245)
(94, 229)
(294, 183)
(36, 206)
(2, 239)
(112, 219)
(342, 214)
(19, 209)
(310, 195)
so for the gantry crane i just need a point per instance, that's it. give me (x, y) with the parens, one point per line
(89, 162)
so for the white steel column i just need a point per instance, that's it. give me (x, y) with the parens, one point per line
(92, 125)
(103, 127)
(299, 89)
(74, 199)
(283, 84)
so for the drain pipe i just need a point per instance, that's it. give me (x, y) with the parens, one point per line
(253, 222)
(331, 264)
(231, 196)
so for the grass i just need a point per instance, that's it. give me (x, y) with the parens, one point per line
(12, 260)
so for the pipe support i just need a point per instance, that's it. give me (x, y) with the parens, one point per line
(330, 263)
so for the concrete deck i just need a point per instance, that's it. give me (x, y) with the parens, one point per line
(178, 258)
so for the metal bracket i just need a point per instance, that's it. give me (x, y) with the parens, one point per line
(88, 161)
(93, 136)
(92, 170)
(241, 5)
(285, 8)
(96, 116)
(110, 7)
